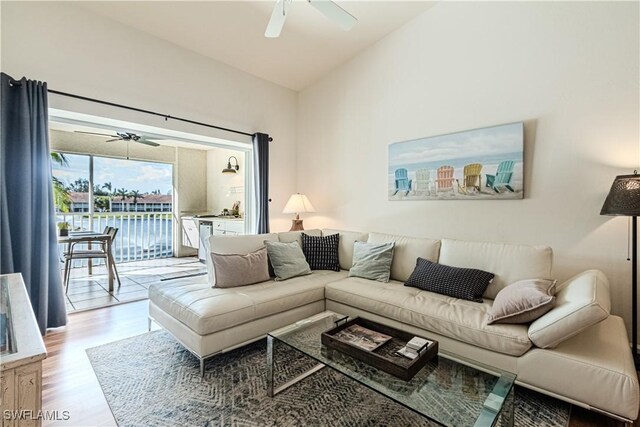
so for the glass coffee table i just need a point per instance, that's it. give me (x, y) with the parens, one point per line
(448, 390)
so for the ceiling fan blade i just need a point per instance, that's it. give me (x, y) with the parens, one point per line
(115, 139)
(93, 133)
(147, 142)
(344, 19)
(278, 16)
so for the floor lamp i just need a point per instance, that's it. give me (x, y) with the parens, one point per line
(624, 200)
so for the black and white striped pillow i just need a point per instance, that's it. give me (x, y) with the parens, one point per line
(457, 282)
(321, 251)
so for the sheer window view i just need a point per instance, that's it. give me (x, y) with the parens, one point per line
(133, 196)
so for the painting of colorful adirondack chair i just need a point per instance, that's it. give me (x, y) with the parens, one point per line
(403, 183)
(478, 164)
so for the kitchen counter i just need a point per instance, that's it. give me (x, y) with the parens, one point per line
(196, 229)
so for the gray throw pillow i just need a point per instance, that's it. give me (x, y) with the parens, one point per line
(230, 271)
(287, 260)
(523, 301)
(372, 260)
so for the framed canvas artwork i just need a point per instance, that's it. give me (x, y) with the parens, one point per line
(478, 164)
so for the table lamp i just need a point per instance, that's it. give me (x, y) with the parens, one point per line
(298, 203)
(624, 200)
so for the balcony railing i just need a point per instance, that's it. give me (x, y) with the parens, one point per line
(140, 235)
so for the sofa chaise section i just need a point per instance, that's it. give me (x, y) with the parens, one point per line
(463, 320)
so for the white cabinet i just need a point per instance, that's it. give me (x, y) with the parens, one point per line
(217, 227)
(21, 361)
(222, 227)
(190, 232)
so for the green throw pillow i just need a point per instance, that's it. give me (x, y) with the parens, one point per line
(372, 260)
(287, 259)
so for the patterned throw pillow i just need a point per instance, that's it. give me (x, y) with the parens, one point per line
(463, 283)
(321, 252)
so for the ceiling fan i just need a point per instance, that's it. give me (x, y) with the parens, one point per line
(124, 136)
(344, 19)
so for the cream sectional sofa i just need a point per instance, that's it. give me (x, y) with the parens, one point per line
(576, 352)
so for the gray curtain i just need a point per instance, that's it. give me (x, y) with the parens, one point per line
(261, 180)
(28, 242)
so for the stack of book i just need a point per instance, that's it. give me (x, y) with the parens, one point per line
(414, 347)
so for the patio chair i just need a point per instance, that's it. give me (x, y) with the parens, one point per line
(502, 178)
(402, 182)
(91, 254)
(423, 183)
(444, 180)
(472, 178)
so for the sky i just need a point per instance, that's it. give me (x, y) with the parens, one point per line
(130, 174)
(462, 145)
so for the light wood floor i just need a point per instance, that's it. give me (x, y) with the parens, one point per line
(71, 385)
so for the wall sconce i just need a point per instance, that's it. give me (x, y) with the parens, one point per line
(231, 169)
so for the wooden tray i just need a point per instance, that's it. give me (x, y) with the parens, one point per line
(384, 357)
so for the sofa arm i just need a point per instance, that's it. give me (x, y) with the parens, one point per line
(581, 302)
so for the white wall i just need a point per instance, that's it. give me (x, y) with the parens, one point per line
(569, 70)
(79, 52)
(222, 188)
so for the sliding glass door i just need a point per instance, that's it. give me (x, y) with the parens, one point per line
(136, 197)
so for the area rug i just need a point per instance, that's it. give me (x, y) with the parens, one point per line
(151, 380)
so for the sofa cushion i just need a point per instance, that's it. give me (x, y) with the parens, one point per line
(581, 301)
(345, 246)
(372, 261)
(240, 270)
(321, 252)
(206, 310)
(457, 282)
(523, 301)
(296, 236)
(459, 319)
(240, 245)
(509, 263)
(406, 252)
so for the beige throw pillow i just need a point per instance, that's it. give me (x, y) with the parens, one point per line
(239, 270)
(523, 301)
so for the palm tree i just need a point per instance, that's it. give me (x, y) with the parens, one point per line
(123, 193)
(59, 158)
(61, 195)
(110, 192)
(136, 195)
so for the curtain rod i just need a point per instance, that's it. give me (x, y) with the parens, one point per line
(153, 113)
(139, 110)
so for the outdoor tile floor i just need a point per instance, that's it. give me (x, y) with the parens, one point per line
(87, 292)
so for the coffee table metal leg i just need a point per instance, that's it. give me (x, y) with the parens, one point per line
(271, 390)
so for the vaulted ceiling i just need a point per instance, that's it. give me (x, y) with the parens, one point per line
(233, 32)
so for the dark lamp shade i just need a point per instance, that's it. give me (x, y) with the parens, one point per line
(624, 197)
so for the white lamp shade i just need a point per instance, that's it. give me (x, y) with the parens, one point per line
(298, 203)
